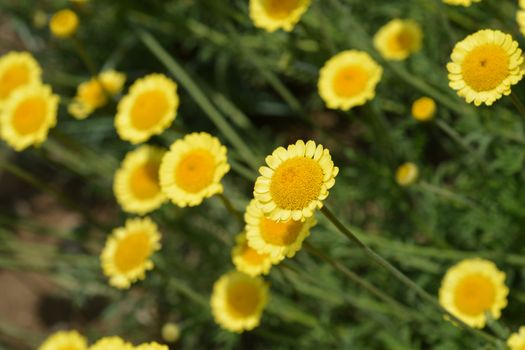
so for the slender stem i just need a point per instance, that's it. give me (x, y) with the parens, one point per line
(228, 204)
(518, 104)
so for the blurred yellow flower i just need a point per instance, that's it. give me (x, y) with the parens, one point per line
(465, 3)
(296, 181)
(170, 332)
(279, 239)
(517, 340)
(484, 66)
(471, 288)
(110, 343)
(126, 255)
(238, 300)
(424, 109)
(248, 260)
(64, 23)
(151, 346)
(398, 39)
(70, 340)
(520, 16)
(192, 169)
(348, 79)
(148, 109)
(17, 69)
(277, 14)
(406, 174)
(28, 115)
(136, 184)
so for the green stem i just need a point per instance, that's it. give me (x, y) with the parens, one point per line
(518, 104)
(453, 134)
(229, 206)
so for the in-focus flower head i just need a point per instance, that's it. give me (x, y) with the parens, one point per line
(17, 69)
(295, 181)
(424, 109)
(348, 79)
(111, 343)
(516, 341)
(484, 66)
(249, 260)
(398, 39)
(64, 23)
(272, 15)
(471, 288)
(406, 174)
(70, 340)
(127, 254)
(151, 346)
(192, 169)
(465, 3)
(238, 300)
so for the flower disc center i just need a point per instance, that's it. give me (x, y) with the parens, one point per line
(485, 67)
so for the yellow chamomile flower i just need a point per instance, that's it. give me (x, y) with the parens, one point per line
(148, 109)
(424, 109)
(151, 346)
(398, 39)
(295, 181)
(272, 15)
(520, 16)
(28, 115)
(93, 93)
(111, 343)
(70, 340)
(17, 69)
(64, 23)
(348, 79)
(516, 341)
(238, 300)
(248, 260)
(465, 3)
(192, 169)
(170, 332)
(136, 184)
(406, 174)
(484, 66)
(126, 255)
(471, 288)
(279, 239)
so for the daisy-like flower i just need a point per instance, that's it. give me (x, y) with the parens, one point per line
(193, 168)
(295, 181)
(238, 300)
(279, 239)
(484, 66)
(520, 16)
(28, 115)
(148, 109)
(348, 79)
(93, 93)
(17, 69)
(249, 260)
(271, 15)
(136, 184)
(423, 109)
(64, 23)
(151, 346)
(127, 254)
(70, 340)
(517, 340)
(398, 39)
(471, 288)
(406, 174)
(465, 3)
(111, 343)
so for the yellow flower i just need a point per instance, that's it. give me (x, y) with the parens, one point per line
(424, 109)
(471, 288)
(111, 343)
(64, 23)
(295, 182)
(92, 94)
(17, 69)
(28, 115)
(517, 340)
(193, 168)
(248, 260)
(136, 184)
(277, 14)
(70, 340)
(238, 300)
(465, 3)
(278, 239)
(520, 16)
(170, 332)
(484, 66)
(151, 346)
(348, 79)
(126, 255)
(398, 39)
(148, 109)
(406, 174)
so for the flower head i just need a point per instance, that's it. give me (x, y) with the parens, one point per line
(484, 66)
(151, 346)
(471, 288)
(465, 3)
(17, 69)
(70, 340)
(423, 109)
(517, 340)
(64, 23)
(398, 39)
(170, 332)
(406, 174)
(520, 16)
(348, 79)
(295, 181)
(249, 260)
(192, 169)
(238, 300)
(111, 343)
(126, 255)
(277, 14)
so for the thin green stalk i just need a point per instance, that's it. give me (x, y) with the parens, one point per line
(229, 206)
(447, 194)
(453, 134)
(518, 104)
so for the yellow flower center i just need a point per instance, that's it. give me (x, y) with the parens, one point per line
(132, 251)
(144, 180)
(195, 171)
(149, 108)
(64, 23)
(485, 67)
(474, 295)
(350, 81)
(251, 256)
(92, 94)
(280, 9)
(14, 77)
(406, 174)
(401, 41)
(242, 298)
(280, 233)
(29, 116)
(423, 108)
(296, 182)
